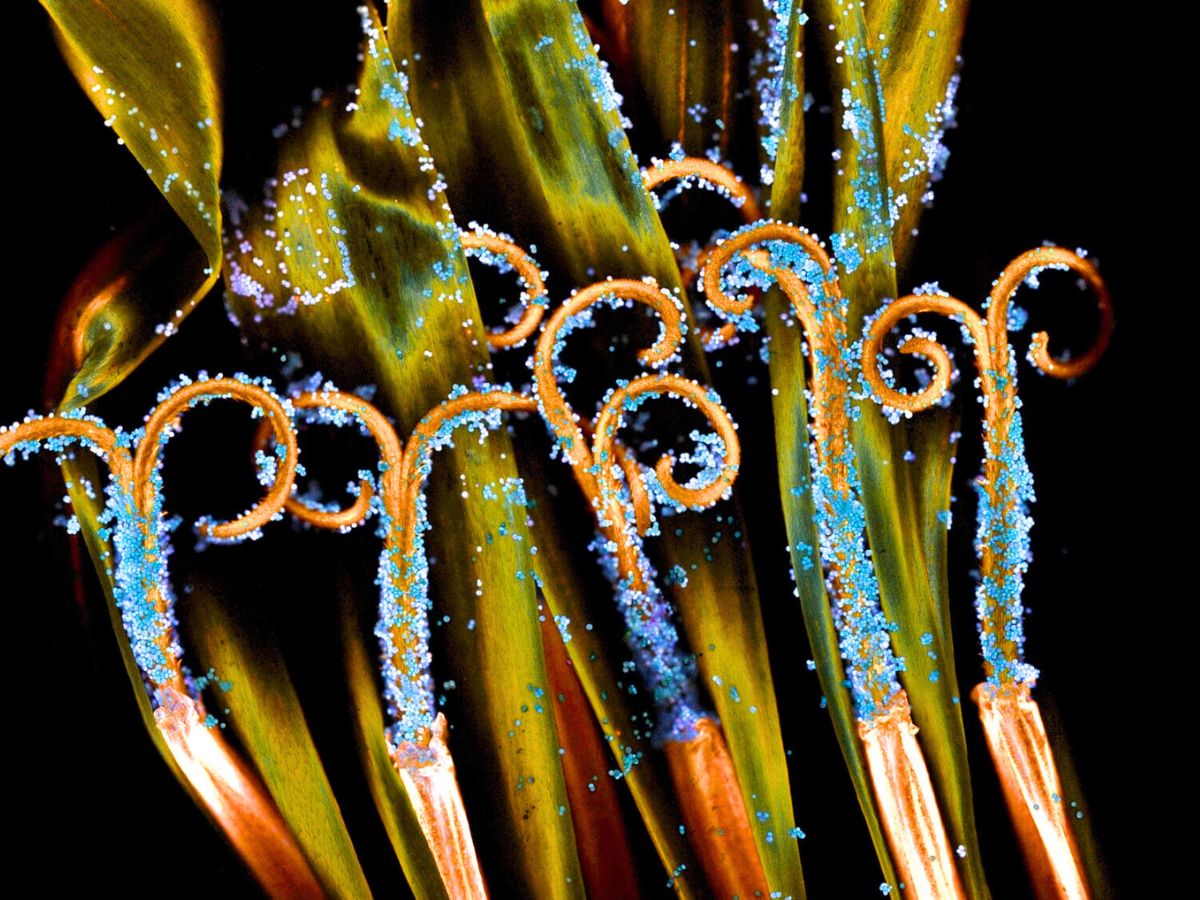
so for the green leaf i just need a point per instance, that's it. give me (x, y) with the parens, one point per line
(1079, 816)
(864, 245)
(152, 73)
(519, 116)
(722, 616)
(686, 66)
(262, 710)
(922, 40)
(362, 245)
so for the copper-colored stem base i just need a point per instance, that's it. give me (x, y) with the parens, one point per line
(235, 798)
(432, 790)
(605, 855)
(1021, 753)
(714, 813)
(907, 804)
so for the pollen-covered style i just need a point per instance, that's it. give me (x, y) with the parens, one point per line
(762, 254)
(134, 525)
(1012, 723)
(701, 768)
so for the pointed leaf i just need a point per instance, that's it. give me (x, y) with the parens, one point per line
(918, 74)
(151, 69)
(262, 710)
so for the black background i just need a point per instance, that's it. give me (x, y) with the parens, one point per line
(1058, 139)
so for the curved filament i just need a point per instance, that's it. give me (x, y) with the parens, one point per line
(58, 431)
(164, 418)
(496, 249)
(1030, 263)
(559, 416)
(697, 168)
(1006, 485)
(743, 240)
(404, 625)
(722, 179)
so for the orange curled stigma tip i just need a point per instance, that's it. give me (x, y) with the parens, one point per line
(713, 812)
(376, 425)
(96, 436)
(744, 240)
(165, 417)
(1016, 737)
(723, 179)
(427, 773)
(486, 246)
(1030, 263)
(907, 804)
(989, 337)
(705, 170)
(235, 799)
(610, 418)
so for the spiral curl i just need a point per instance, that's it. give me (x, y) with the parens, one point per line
(557, 412)
(990, 336)
(1005, 485)
(481, 244)
(164, 419)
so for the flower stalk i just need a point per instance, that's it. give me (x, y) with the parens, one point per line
(766, 253)
(1012, 723)
(697, 755)
(417, 738)
(234, 797)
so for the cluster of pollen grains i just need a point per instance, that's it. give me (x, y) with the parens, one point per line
(294, 249)
(133, 521)
(618, 488)
(1005, 486)
(774, 253)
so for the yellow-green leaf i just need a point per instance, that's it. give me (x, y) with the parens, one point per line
(262, 710)
(151, 68)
